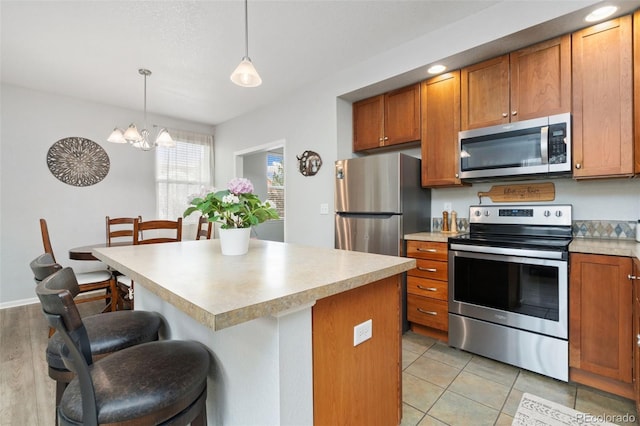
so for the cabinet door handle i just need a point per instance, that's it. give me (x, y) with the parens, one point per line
(638, 337)
(504, 114)
(427, 269)
(427, 312)
(386, 138)
(431, 250)
(578, 166)
(514, 112)
(632, 277)
(427, 288)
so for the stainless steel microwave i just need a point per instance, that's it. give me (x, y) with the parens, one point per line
(540, 147)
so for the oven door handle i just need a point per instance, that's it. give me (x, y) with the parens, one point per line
(509, 251)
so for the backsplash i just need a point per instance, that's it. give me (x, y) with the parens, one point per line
(463, 224)
(603, 229)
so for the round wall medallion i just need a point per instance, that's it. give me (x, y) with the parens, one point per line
(78, 161)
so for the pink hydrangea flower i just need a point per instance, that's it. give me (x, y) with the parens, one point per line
(240, 186)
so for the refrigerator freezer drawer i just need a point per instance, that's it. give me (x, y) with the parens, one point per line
(369, 233)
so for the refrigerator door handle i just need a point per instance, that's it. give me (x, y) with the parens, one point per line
(380, 215)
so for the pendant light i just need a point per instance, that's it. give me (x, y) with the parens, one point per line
(140, 139)
(245, 74)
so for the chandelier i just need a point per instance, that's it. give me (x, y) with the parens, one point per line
(245, 74)
(140, 139)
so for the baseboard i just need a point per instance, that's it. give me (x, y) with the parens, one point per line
(16, 303)
(31, 301)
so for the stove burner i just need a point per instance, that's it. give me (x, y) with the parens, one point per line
(540, 227)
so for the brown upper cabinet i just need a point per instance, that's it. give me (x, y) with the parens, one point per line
(603, 100)
(388, 119)
(636, 88)
(528, 83)
(440, 126)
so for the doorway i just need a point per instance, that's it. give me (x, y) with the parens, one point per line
(264, 166)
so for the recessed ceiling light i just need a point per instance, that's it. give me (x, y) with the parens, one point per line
(601, 13)
(436, 69)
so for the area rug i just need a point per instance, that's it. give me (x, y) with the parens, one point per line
(536, 411)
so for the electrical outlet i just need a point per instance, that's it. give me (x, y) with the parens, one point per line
(324, 208)
(362, 332)
(447, 207)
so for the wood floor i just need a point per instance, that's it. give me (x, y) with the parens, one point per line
(26, 391)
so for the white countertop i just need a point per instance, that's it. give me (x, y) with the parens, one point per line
(623, 247)
(221, 291)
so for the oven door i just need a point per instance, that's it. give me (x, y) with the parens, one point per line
(510, 287)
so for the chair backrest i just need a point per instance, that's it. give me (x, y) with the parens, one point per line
(56, 298)
(119, 227)
(46, 242)
(204, 231)
(157, 225)
(43, 266)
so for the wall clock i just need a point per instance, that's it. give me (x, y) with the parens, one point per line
(78, 161)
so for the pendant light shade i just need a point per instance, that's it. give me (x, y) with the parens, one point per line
(140, 139)
(245, 74)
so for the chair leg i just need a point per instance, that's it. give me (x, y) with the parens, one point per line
(201, 418)
(114, 293)
(60, 387)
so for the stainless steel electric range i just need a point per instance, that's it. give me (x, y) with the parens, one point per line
(508, 286)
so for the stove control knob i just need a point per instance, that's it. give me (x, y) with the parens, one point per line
(558, 213)
(478, 213)
(486, 212)
(547, 213)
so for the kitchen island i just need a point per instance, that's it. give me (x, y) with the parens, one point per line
(280, 325)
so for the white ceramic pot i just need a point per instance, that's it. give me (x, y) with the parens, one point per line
(234, 241)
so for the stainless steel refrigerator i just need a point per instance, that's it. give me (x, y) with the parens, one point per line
(379, 199)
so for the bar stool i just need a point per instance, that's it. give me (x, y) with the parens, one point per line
(151, 383)
(107, 332)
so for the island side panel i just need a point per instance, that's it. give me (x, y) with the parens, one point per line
(361, 384)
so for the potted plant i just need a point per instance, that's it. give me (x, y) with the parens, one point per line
(236, 209)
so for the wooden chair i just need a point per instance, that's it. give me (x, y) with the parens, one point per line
(88, 281)
(202, 231)
(108, 332)
(156, 226)
(159, 382)
(119, 228)
(150, 229)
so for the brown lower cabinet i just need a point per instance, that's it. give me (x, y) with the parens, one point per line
(428, 289)
(600, 323)
(636, 330)
(358, 385)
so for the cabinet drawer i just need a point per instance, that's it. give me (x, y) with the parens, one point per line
(427, 250)
(427, 288)
(431, 269)
(428, 312)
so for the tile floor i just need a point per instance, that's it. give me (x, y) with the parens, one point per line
(441, 385)
(446, 386)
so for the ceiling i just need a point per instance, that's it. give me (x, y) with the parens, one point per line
(92, 50)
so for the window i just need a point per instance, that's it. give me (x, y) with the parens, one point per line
(275, 182)
(182, 171)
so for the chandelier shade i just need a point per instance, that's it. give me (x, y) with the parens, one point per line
(140, 139)
(245, 74)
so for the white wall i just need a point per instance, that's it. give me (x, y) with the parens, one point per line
(33, 121)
